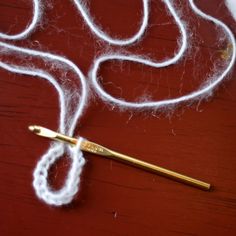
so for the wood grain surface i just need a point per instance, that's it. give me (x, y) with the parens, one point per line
(196, 139)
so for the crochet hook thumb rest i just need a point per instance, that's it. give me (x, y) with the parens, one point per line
(103, 151)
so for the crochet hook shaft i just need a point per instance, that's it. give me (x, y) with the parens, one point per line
(103, 151)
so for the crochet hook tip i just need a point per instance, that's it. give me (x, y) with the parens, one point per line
(41, 131)
(35, 129)
(47, 133)
(32, 128)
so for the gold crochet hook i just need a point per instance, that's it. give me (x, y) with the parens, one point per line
(100, 150)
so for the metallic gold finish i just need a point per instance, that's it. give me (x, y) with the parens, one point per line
(100, 150)
(47, 133)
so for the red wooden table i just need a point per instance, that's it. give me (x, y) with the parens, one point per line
(115, 199)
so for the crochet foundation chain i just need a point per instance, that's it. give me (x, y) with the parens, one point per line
(69, 115)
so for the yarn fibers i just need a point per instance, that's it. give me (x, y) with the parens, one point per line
(231, 4)
(72, 104)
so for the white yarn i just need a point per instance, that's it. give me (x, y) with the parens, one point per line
(166, 102)
(52, 57)
(99, 33)
(231, 4)
(43, 191)
(67, 121)
(30, 27)
(71, 186)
